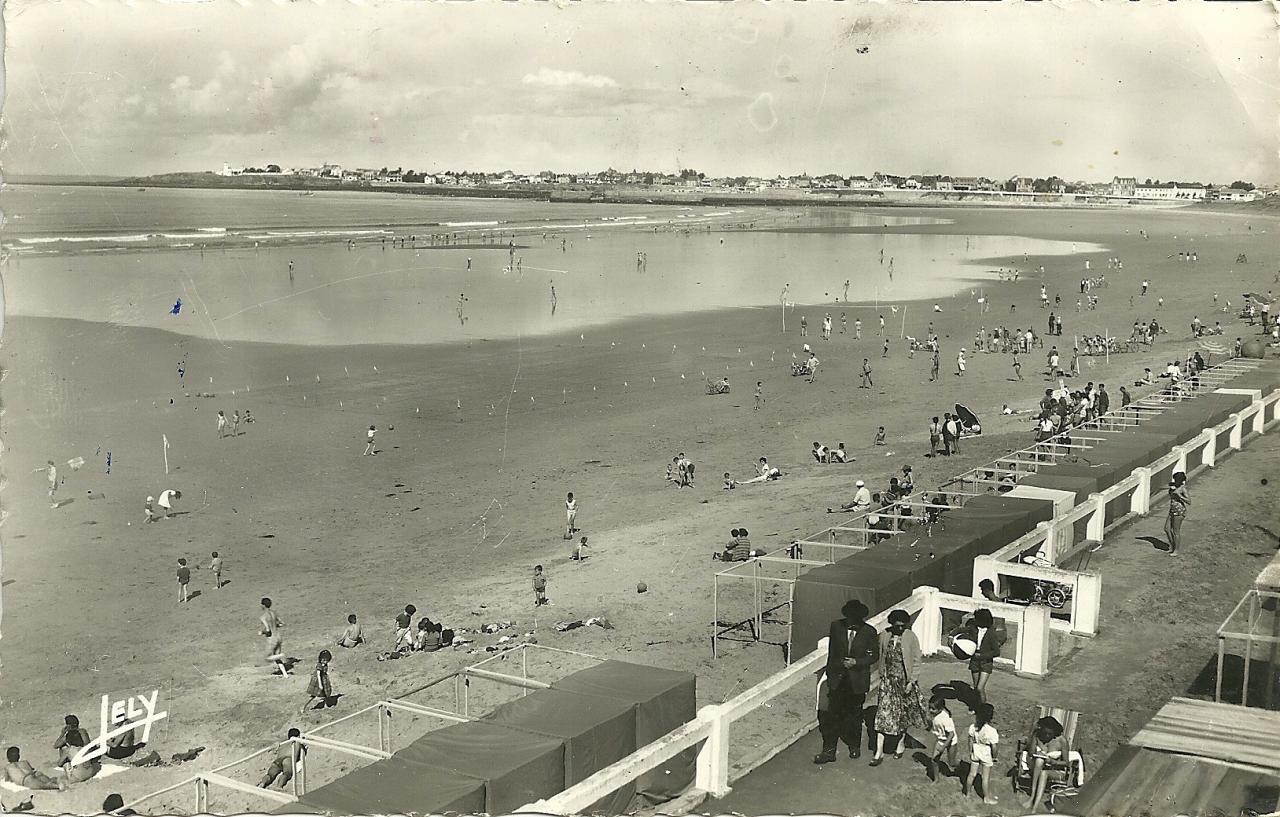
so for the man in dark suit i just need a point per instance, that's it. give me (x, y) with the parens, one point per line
(853, 650)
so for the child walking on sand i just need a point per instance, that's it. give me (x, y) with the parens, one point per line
(539, 587)
(571, 516)
(319, 689)
(368, 446)
(184, 579)
(215, 566)
(983, 740)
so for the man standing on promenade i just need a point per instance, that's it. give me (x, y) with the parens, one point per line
(852, 651)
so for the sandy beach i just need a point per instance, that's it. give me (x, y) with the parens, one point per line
(460, 503)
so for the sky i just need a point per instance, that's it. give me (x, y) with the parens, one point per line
(1163, 90)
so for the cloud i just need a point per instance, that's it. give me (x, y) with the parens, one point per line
(553, 78)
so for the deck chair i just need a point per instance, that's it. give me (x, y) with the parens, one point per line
(1067, 774)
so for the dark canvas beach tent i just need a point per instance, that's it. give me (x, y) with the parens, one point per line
(968, 420)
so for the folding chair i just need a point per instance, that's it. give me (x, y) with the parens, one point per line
(1067, 774)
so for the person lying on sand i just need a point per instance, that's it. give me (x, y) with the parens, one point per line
(21, 773)
(282, 766)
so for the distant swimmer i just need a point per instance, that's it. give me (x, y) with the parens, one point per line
(291, 272)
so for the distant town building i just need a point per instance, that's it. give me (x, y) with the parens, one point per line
(1125, 186)
(1168, 192)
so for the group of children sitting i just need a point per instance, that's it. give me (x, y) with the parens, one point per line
(428, 636)
(738, 549)
(829, 455)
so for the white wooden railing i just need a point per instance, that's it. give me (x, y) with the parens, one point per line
(711, 729)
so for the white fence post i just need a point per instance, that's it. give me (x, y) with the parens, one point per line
(1181, 451)
(1033, 642)
(984, 567)
(713, 757)
(1097, 519)
(1140, 502)
(1209, 454)
(1259, 416)
(928, 626)
(1051, 536)
(1086, 604)
(1237, 431)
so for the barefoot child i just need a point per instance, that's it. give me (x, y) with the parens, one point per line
(880, 436)
(539, 587)
(571, 516)
(271, 625)
(150, 508)
(215, 567)
(368, 446)
(944, 737)
(184, 580)
(318, 688)
(403, 635)
(983, 740)
(577, 555)
(286, 759)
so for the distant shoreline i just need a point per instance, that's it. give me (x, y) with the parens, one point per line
(630, 194)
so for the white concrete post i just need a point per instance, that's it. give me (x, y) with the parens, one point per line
(1259, 417)
(1033, 642)
(1237, 431)
(1209, 454)
(1140, 501)
(1182, 459)
(713, 758)
(1097, 519)
(928, 625)
(1051, 536)
(1086, 604)
(984, 567)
